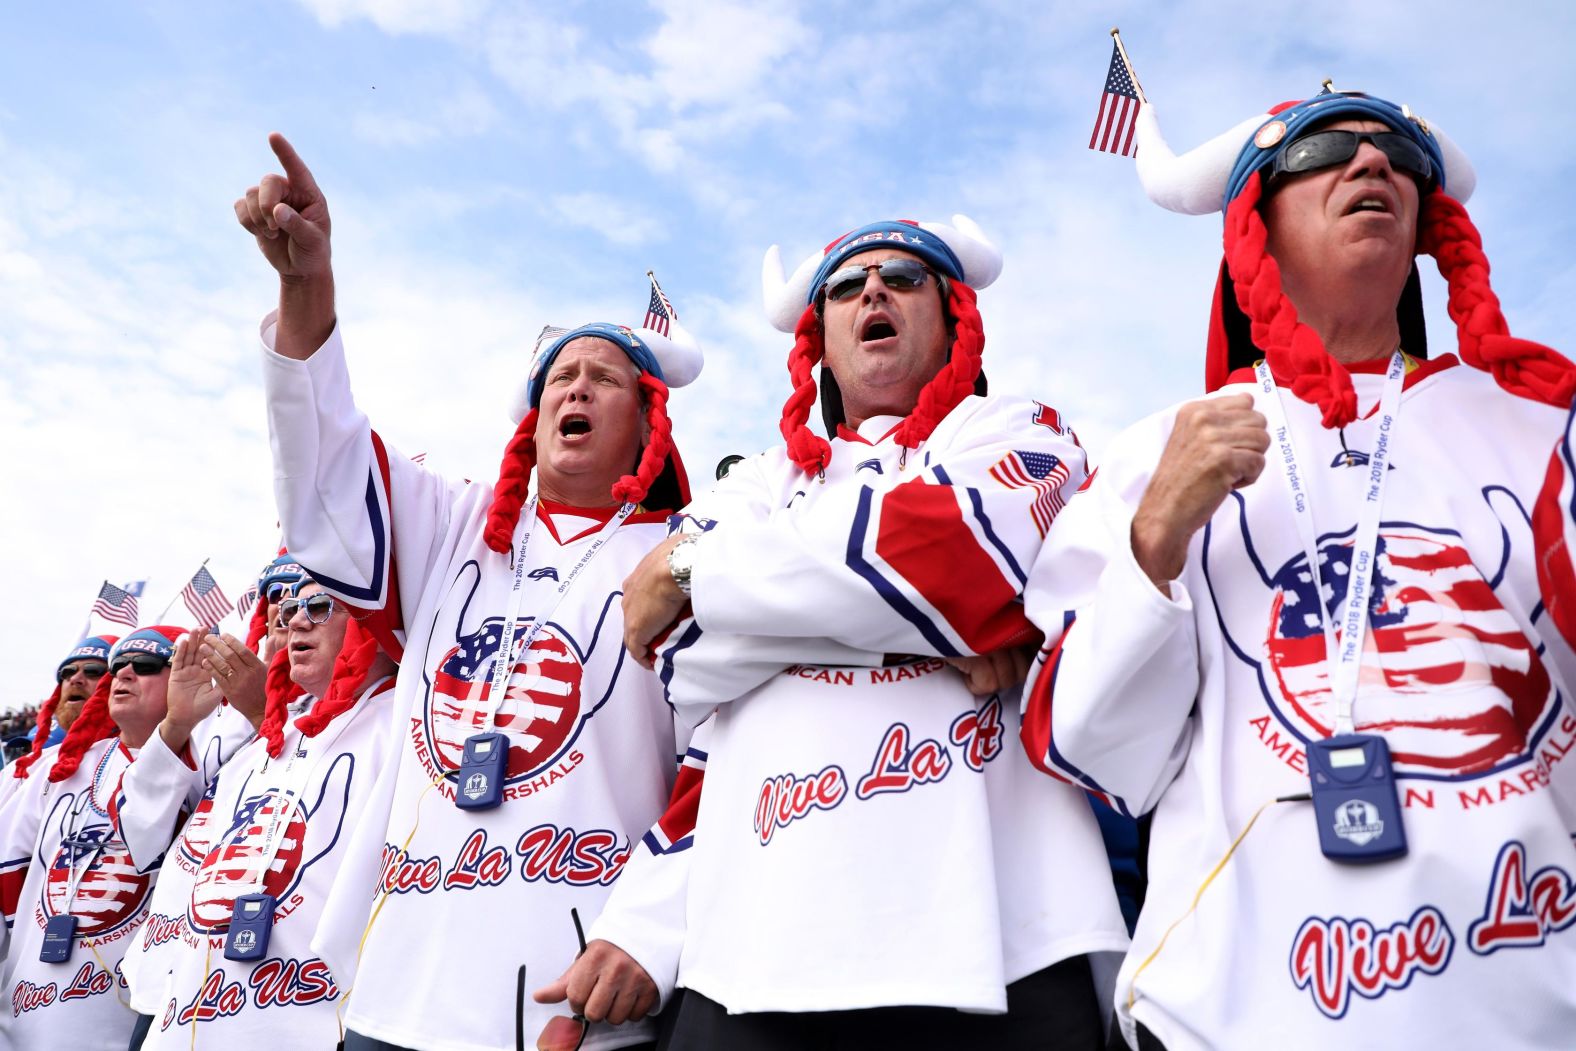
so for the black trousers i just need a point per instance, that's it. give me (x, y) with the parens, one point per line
(1050, 1010)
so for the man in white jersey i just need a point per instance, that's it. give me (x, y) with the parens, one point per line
(1300, 620)
(513, 788)
(227, 943)
(82, 898)
(873, 861)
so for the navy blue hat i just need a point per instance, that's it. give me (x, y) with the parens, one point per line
(94, 647)
(159, 640)
(891, 233)
(1274, 136)
(621, 336)
(282, 570)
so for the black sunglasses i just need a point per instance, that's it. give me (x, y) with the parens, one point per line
(519, 996)
(318, 609)
(896, 273)
(92, 671)
(140, 663)
(1321, 149)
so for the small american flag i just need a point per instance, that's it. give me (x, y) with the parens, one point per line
(205, 599)
(244, 604)
(1041, 472)
(116, 604)
(660, 311)
(1113, 127)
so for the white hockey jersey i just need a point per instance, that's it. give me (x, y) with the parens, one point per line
(289, 997)
(75, 865)
(1201, 707)
(467, 896)
(869, 833)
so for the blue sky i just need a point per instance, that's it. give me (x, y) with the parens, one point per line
(493, 167)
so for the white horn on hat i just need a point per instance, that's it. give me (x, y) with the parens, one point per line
(785, 299)
(981, 260)
(677, 353)
(1460, 177)
(1195, 182)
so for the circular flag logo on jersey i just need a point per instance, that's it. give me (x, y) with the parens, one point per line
(111, 891)
(232, 867)
(541, 706)
(1447, 675)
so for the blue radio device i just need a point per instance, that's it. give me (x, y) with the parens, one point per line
(60, 937)
(1355, 800)
(250, 925)
(482, 772)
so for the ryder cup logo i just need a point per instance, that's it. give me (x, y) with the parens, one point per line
(1358, 822)
(475, 786)
(245, 940)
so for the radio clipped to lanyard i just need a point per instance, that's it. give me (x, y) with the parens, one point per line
(252, 919)
(485, 763)
(1353, 786)
(60, 931)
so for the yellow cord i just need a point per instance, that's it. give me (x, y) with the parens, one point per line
(1132, 984)
(113, 981)
(207, 967)
(383, 897)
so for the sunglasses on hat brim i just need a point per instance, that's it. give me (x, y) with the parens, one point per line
(1323, 149)
(94, 670)
(276, 591)
(897, 273)
(141, 663)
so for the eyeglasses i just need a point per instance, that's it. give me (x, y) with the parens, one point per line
(92, 671)
(553, 1036)
(1321, 149)
(318, 609)
(897, 273)
(141, 663)
(276, 591)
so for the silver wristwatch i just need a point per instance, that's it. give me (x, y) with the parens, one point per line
(681, 562)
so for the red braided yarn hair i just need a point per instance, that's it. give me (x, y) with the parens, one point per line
(632, 488)
(1296, 354)
(279, 690)
(46, 715)
(350, 672)
(257, 627)
(944, 392)
(91, 727)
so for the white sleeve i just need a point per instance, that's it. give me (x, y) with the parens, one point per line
(155, 790)
(645, 914)
(1554, 536)
(20, 821)
(1108, 702)
(934, 565)
(341, 490)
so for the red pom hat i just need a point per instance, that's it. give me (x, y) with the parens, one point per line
(1252, 316)
(960, 252)
(667, 356)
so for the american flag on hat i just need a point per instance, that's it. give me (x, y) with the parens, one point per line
(1041, 472)
(118, 604)
(205, 599)
(659, 313)
(1119, 106)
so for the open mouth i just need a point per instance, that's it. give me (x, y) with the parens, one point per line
(300, 647)
(1367, 203)
(876, 327)
(573, 425)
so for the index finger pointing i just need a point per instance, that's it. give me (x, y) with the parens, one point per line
(296, 171)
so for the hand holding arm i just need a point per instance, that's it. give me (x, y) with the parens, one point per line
(652, 601)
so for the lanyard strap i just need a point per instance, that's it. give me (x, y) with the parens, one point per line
(292, 784)
(1343, 659)
(503, 661)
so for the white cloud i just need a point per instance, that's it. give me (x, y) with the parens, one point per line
(401, 16)
(464, 112)
(608, 216)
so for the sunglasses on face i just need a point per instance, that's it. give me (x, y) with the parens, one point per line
(899, 274)
(318, 609)
(141, 663)
(1322, 149)
(92, 671)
